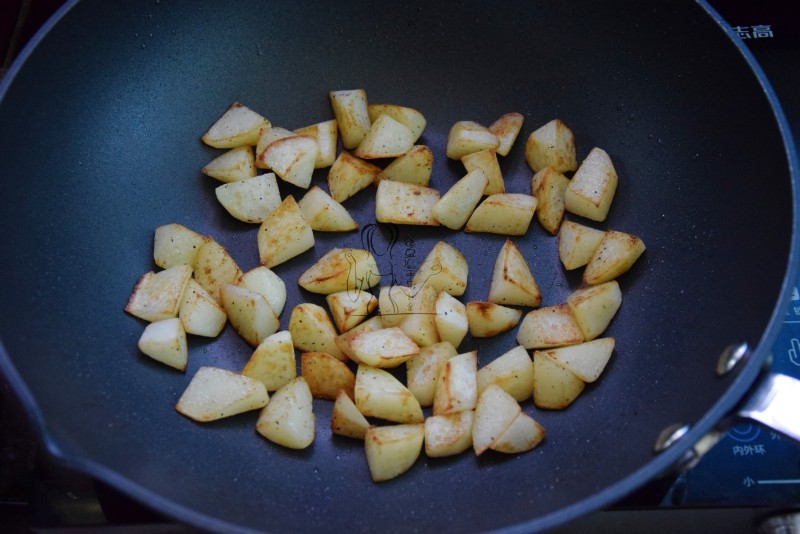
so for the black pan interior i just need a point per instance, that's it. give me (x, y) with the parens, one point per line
(100, 133)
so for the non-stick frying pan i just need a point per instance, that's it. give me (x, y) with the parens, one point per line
(100, 122)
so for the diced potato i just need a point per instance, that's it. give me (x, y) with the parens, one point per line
(466, 137)
(165, 341)
(273, 362)
(174, 244)
(252, 199)
(420, 324)
(249, 312)
(503, 213)
(512, 371)
(586, 360)
(512, 281)
(349, 308)
(158, 295)
(554, 386)
(454, 208)
(384, 348)
(495, 412)
(326, 134)
(551, 326)
(450, 318)
(288, 419)
(352, 115)
(506, 129)
(343, 340)
(423, 370)
(386, 138)
(449, 434)
(264, 280)
(594, 307)
(238, 126)
(235, 164)
(214, 267)
(325, 214)
(392, 450)
(548, 186)
(486, 162)
(394, 304)
(615, 255)
(488, 319)
(284, 234)
(413, 167)
(523, 435)
(348, 175)
(379, 394)
(313, 331)
(445, 268)
(266, 137)
(457, 384)
(292, 158)
(409, 117)
(346, 420)
(577, 243)
(551, 145)
(326, 376)
(200, 313)
(402, 203)
(341, 269)
(592, 188)
(215, 393)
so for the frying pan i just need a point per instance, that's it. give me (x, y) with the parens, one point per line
(100, 122)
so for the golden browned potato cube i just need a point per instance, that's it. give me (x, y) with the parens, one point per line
(512, 371)
(551, 145)
(348, 175)
(577, 243)
(379, 394)
(457, 384)
(284, 234)
(346, 420)
(215, 393)
(341, 269)
(402, 203)
(495, 411)
(554, 386)
(351, 113)
(551, 326)
(615, 255)
(454, 208)
(503, 213)
(448, 434)
(273, 362)
(513, 283)
(413, 167)
(592, 188)
(235, 164)
(594, 307)
(466, 137)
(506, 129)
(386, 138)
(326, 134)
(409, 117)
(238, 126)
(486, 162)
(249, 312)
(313, 331)
(326, 376)
(549, 186)
(325, 214)
(392, 450)
(158, 295)
(288, 419)
(488, 319)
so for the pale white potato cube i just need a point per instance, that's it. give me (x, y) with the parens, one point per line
(615, 255)
(200, 313)
(158, 295)
(486, 162)
(165, 341)
(342, 341)
(587, 360)
(466, 137)
(341, 269)
(392, 450)
(450, 318)
(495, 411)
(420, 324)
(284, 234)
(503, 213)
(423, 370)
(379, 394)
(326, 134)
(264, 280)
(252, 199)
(413, 167)
(549, 186)
(454, 208)
(235, 164)
(214, 267)
(313, 331)
(394, 304)
(348, 308)
(551, 145)
(409, 117)
(384, 348)
(348, 175)
(554, 386)
(524, 434)
(238, 126)
(249, 312)
(448, 434)
(288, 419)
(594, 307)
(577, 243)
(592, 188)
(386, 138)
(175, 244)
(512, 282)
(350, 110)
(488, 319)
(292, 158)
(506, 129)
(346, 420)
(273, 362)
(326, 376)
(512, 371)
(444, 268)
(402, 203)
(266, 137)
(457, 384)
(325, 214)
(551, 326)
(215, 393)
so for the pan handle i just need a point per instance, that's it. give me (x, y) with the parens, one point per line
(776, 404)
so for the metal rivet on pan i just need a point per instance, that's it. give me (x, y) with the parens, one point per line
(731, 356)
(669, 436)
